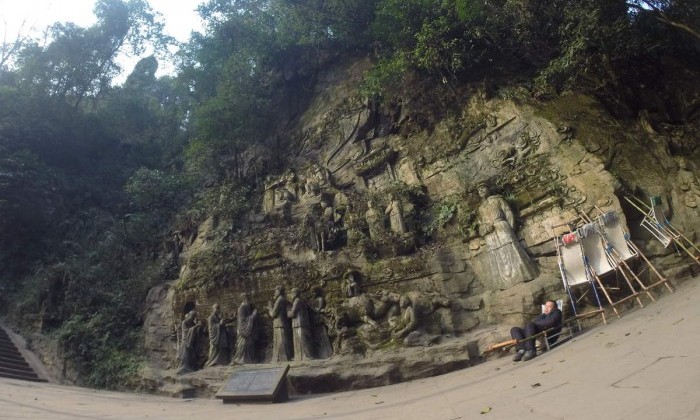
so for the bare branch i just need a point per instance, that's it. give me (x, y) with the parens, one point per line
(662, 17)
(9, 49)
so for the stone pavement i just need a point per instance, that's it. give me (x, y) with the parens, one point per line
(645, 365)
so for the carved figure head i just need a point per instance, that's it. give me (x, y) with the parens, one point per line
(483, 189)
(404, 302)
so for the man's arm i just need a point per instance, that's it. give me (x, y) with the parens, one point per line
(548, 321)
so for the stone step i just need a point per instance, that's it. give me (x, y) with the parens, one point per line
(12, 363)
(17, 358)
(21, 376)
(17, 372)
(7, 345)
(8, 350)
(19, 365)
(11, 356)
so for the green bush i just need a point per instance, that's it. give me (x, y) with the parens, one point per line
(105, 357)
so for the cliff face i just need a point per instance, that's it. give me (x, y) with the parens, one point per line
(382, 200)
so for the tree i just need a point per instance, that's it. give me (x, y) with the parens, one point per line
(683, 15)
(80, 62)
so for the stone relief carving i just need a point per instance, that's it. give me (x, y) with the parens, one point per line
(688, 184)
(407, 322)
(395, 212)
(246, 332)
(219, 347)
(280, 193)
(386, 226)
(375, 221)
(325, 226)
(190, 328)
(319, 314)
(351, 284)
(282, 350)
(301, 327)
(358, 318)
(508, 262)
(376, 162)
(370, 321)
(317, 227)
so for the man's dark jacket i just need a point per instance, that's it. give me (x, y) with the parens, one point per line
(546, 321)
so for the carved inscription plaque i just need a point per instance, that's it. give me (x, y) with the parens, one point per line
(255, 384)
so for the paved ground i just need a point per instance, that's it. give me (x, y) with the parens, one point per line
(645, 365)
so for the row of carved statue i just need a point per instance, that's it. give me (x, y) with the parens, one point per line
(299, 333)
(303, 330)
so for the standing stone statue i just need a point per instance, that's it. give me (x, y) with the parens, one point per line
(269, 196)
(301, 326)
(395, 212)
(281, 327)
(187, 352)
(322, 341)
(219, 348)
(351, 285)
(508, 262)
(375, 221)
(326, 225)
(246, 332)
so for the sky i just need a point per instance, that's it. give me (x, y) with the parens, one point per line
(25, 16)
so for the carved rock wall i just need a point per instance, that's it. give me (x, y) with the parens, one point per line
(551, 165)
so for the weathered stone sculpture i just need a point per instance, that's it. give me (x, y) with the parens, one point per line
(269, 196)
(326, 225)
(219, 348)
(311, 189)
(508, 262)
(688, 184)
(246, 332)
(322, 341)
(322, 176)
(375, 221)
(351, 285)
(283, 203)
(321, 224)
(388, 305)
(313, 227)
(281, 327)
(187, 351)
(408, 321)
(301, 326)
(291, 184)
(395, 212)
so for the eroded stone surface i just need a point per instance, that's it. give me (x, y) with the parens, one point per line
(314, 224)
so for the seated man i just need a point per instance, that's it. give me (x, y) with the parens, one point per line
(550, 318)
